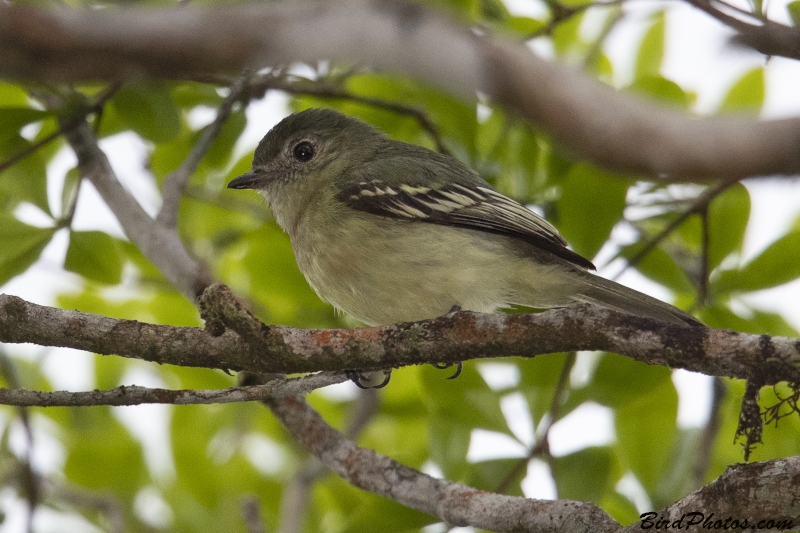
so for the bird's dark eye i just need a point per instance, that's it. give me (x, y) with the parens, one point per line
(303, 151)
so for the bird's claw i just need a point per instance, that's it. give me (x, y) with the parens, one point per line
(358, 377)
(459, 368)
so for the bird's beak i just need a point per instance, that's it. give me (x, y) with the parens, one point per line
(251, 180)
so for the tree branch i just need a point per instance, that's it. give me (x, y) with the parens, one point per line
(160, 244)
(265, 82)
(175, 183)
(454, 503)
(766, 36)
(762, 490)
(450, 338)
(136, 395)
(619, 131)
(297, 493)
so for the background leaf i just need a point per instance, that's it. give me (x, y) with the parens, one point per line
(22, 245)
(591, 203)
(94, 255)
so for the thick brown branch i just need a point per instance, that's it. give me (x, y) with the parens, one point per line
(618, 131)
(454, 337)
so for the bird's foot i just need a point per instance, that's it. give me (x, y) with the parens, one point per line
(443, 366)
(366, 380)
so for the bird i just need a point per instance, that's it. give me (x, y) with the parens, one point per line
(390, 232)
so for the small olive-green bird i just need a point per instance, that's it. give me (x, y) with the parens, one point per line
(392, 232)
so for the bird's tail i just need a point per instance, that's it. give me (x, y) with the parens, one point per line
(609, 294)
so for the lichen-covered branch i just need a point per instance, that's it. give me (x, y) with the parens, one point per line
(753, 492)
(762, 494)
(454, 503)
(454, 337)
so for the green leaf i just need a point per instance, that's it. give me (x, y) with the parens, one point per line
(467, 400)
(584, 475)
(12, 119)
(794, 11)
(12, 95)
(646, 429)
(619, 381)
(21, 246)
(619, 507)
(189, 94)
(662, 89)
(538, 380)
(222, 148)
(375, 513)
(651, 51)
(449, 443)
(778, 264)
(103, 454)
(94, 255)
(526, 26)
(759, 323)
(727, 218)
(25, 180)
(149, 110)
(69, 191)
(567, 35)
(747, 94)
(660, 267)
(592, 201)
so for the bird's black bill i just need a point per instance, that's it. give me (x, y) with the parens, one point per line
(245, 181)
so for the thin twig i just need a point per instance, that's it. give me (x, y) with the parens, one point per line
(28, 479)
(158, 243)
(702, 291)
(705, 445)
(136, 395)
(698, 205)
(106, 504)
(63, 127)
(252, 515)
(763, 35)
(562, 13)
(176, 181)
(728, 20)
(266, 82)
(542, 446)
(44, 141)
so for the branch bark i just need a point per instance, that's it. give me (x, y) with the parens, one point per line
(761, 485)
(454, 503)
(450, 338)
(619, 131)
(136, 395)
(765, 491)
(159, 243)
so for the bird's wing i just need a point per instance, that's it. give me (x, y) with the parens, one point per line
(463, 205)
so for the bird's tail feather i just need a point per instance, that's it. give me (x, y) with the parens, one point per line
(609, 294)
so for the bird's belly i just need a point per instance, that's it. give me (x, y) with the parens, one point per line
(406, 273)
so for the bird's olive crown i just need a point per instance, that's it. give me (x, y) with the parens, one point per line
(313, 134)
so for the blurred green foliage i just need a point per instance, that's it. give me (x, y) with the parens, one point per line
(217, 455)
